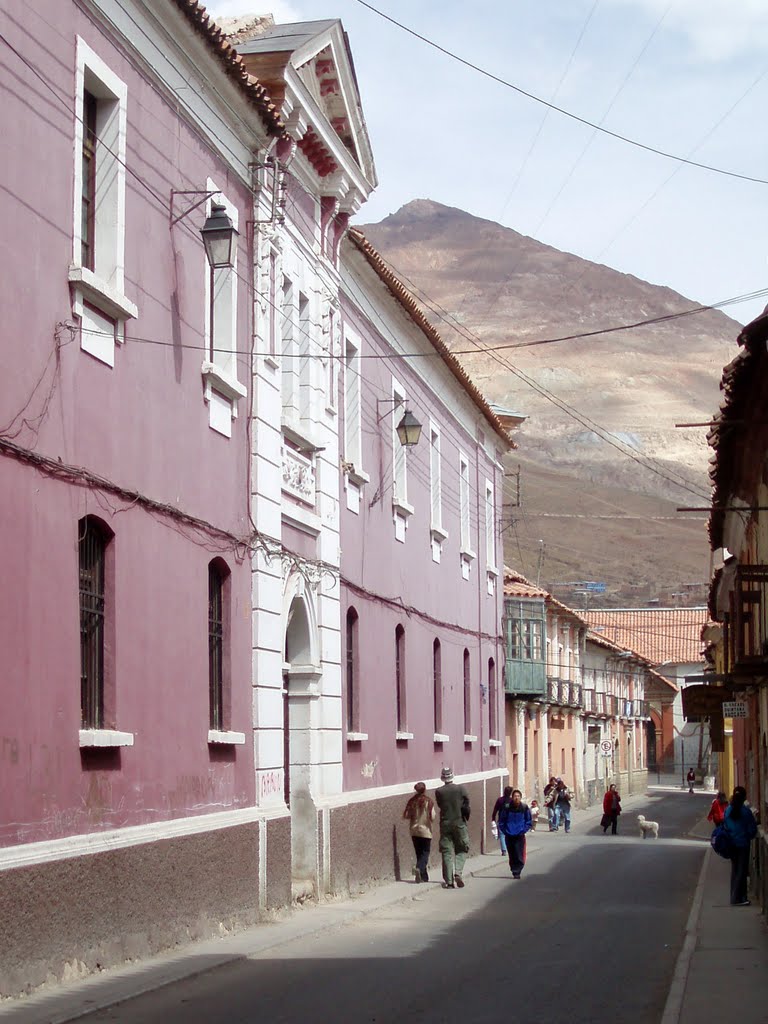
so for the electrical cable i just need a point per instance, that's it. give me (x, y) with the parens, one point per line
(560, 110)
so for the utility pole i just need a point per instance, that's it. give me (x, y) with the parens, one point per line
(542, 547)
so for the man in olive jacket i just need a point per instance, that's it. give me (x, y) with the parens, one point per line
(454, 835)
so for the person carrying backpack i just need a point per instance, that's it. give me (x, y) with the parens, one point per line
(514, 820)
(739, 823)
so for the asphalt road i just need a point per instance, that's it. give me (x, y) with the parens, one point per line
(590, 934)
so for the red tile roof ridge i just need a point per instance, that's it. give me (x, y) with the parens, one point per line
(233, 63)
(411, 306)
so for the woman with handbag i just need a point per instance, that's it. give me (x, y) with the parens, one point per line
(611, 810)
(739, 823)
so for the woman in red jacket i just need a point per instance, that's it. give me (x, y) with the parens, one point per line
(611, 810)
(717, 810)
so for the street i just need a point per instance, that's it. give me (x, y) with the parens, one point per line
(591, 933)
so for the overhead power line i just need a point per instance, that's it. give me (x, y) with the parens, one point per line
(561, 110)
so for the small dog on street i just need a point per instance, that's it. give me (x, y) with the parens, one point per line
(648, 827)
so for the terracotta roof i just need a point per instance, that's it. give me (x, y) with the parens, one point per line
(660, 635)
(398, 290)
(232, 63)
(740, 429)
(603, 641)
(516, 585)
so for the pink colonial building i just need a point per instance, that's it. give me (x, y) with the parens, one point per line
(422, 590)
(126, 760)
(240, 619)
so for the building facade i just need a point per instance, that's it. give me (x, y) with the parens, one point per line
(128, 741)
(738, 530)
(669, 639)
(247, 619)
(576, 704)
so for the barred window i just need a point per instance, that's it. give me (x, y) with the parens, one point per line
(467, 694)
(353, 695)
(218, 574)
(402, 720)
(437, 686)
(93, 539)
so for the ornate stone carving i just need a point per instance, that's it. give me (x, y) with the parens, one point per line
(298, 475)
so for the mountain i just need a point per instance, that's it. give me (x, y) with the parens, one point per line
(601, 410)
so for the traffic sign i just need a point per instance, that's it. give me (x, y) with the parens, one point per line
(607, 747)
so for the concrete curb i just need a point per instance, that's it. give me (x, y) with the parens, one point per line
(674, 1004)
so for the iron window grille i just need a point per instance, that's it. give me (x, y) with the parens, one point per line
(351, 665)
(400, 678)
(92, 553)
(216, 646)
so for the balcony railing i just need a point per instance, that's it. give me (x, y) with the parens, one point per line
(564, 693)
(598, 703)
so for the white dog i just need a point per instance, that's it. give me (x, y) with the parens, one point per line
(648, 827)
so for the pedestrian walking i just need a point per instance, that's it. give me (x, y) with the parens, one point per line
(739, 822)
(611, 810)
(690, 778)
(717, 810)
(494, 819)
(563, 797)
(550, 795)
(453, 802)
(515, 822)
(534, 805)
(420, 813)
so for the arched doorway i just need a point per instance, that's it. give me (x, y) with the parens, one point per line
(301, 688)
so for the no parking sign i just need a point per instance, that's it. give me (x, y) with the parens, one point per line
(607, 747)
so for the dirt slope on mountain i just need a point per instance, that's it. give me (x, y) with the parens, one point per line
(602, 411)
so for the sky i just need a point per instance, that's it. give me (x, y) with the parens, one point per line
(686, 76)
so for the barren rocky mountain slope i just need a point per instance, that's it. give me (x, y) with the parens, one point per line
(488, 285)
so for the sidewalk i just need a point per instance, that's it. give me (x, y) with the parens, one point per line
(722, 970)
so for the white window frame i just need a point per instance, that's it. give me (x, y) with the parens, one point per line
(466, 554)
(289, 377)
(332, 315)
(99, 298)
(490, 528)
(353, 411)
(222, 389)
(402, 510)
(438, 535)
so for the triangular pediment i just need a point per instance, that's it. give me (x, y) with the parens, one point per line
(318, 54)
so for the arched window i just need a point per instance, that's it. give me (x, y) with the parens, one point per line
(93, 540)
(467, 694)
(218, 643)
(400, 695)
(437, 687)
(352, 668)
(493, 702)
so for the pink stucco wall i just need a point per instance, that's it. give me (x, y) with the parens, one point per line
(436, 602)
(142, 424)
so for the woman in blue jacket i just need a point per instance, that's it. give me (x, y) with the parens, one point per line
(514, 820)
(739, 822)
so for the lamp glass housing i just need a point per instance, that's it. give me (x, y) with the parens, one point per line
(219, 236)
(408, 430)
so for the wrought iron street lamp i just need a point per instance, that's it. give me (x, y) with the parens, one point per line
(408, 430)
(219, 238)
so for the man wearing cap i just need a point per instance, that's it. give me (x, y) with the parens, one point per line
(454, 834)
